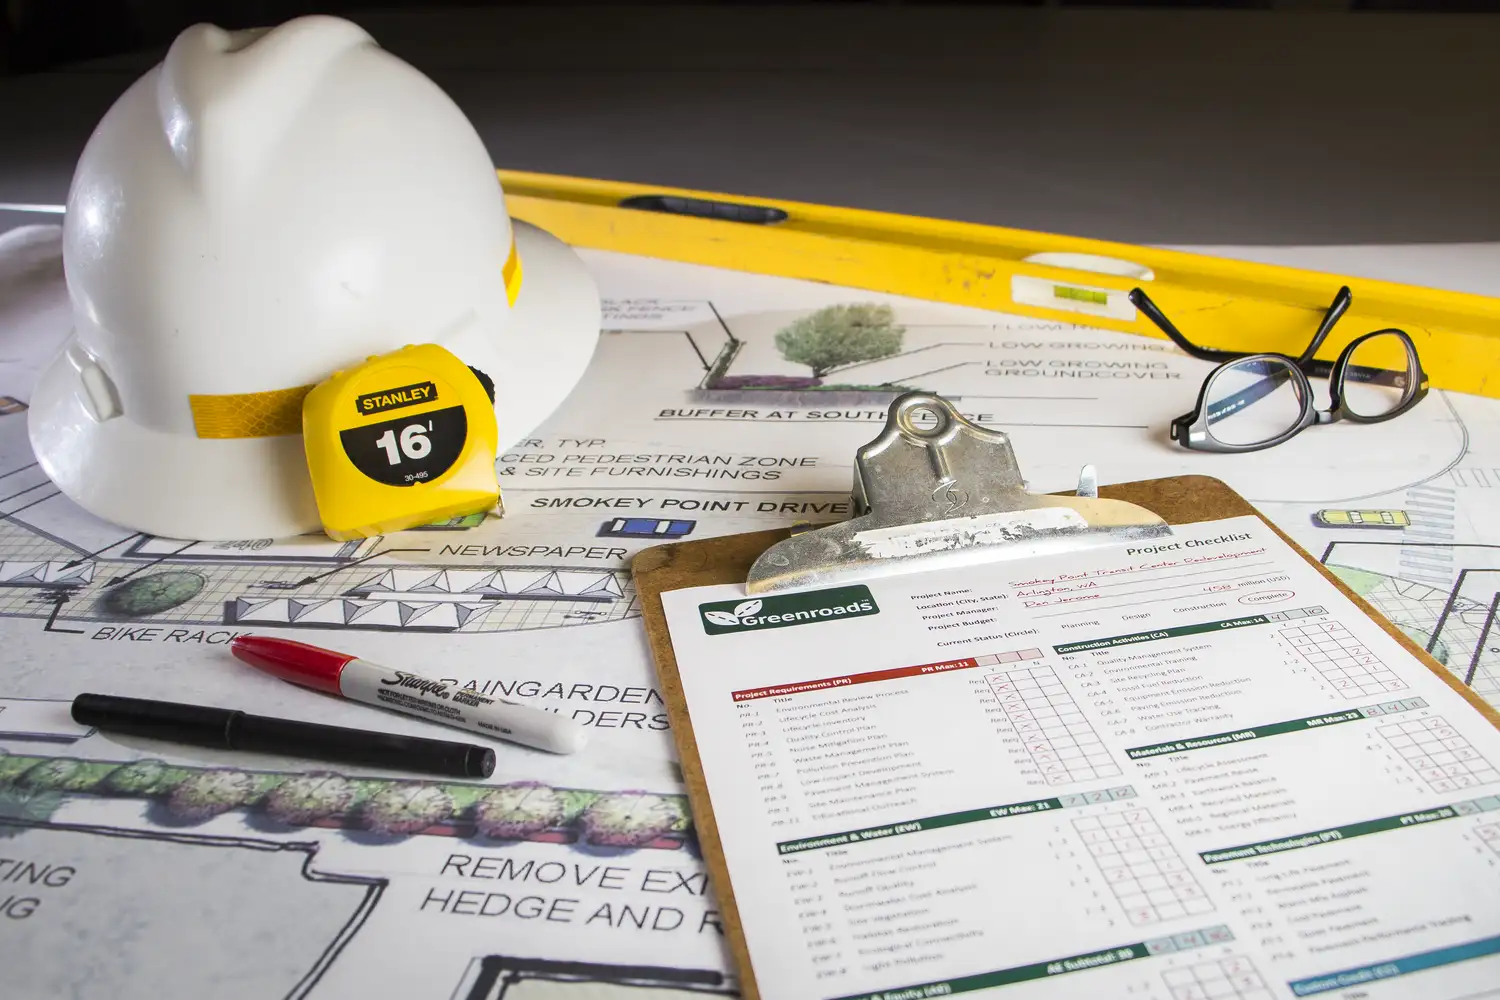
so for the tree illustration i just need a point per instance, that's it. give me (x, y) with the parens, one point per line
(151, 594)
(519, 810)
(836, 336)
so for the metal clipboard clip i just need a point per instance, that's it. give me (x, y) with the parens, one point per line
(940, 494)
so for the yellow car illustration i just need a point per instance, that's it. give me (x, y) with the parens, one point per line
(1330, 518)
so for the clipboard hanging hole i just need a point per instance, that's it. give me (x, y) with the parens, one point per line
(922, 420)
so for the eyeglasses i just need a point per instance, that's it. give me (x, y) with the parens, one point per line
(1254, 401)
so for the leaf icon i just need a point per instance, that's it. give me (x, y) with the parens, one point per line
(721, 617)
(746, 608)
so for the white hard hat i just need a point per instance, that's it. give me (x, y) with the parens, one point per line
(258, 211)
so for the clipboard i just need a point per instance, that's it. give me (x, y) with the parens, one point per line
(731, 559)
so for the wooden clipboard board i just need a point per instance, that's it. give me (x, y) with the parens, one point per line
(1180, 500)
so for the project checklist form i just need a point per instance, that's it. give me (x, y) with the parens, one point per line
(1187, 768)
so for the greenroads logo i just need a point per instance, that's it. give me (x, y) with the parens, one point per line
(791, 609)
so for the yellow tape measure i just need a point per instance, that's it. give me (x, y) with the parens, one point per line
(405, 439)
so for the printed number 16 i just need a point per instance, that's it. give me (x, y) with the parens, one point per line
(414, 443)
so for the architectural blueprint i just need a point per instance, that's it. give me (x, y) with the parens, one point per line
(716, 403)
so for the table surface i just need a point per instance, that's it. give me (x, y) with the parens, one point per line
(1361, 144)
(1364, 143)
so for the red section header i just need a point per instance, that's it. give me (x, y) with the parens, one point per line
(828, 683)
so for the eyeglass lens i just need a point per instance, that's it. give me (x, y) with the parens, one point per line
(1378, 377)
(1253, 401)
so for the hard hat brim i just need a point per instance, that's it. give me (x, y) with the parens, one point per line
(554, 329)
(228, 489)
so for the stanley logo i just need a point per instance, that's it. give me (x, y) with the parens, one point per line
(720, 617)
(395, 399)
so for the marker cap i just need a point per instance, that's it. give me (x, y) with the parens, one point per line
(309, 666)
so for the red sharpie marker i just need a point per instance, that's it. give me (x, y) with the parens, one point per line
(411, 694)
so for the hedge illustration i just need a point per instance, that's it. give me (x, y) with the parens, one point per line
(305, 799)
(210, 793)
(139, 778)
(407, 809)
(631, 819)
(519, 811)
(33, 788)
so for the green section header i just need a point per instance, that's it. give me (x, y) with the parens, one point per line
(1259, 732)
(1162, 633)
(1317, 837)
(917, 826)
(1005, 977)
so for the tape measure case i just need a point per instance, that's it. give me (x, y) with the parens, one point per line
(405, 439)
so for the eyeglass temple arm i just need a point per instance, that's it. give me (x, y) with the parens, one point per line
(1370, 374)
(1143, 302)
(1336, 309)
(1376, 376)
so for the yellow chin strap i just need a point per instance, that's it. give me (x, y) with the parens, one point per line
(277, 412)
(511, 272)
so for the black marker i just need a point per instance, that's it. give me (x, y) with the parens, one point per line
(228, 729)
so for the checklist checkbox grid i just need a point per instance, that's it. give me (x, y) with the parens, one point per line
(1150, 880)
(1343, 660)
(1435, 750)
(1052, 728)
(1232, 978)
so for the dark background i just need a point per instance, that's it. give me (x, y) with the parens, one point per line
(1279, 124)
(38, 34)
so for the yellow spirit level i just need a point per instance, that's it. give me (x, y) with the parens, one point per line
(405, 439)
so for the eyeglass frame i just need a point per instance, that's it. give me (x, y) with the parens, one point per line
(1191, 430)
